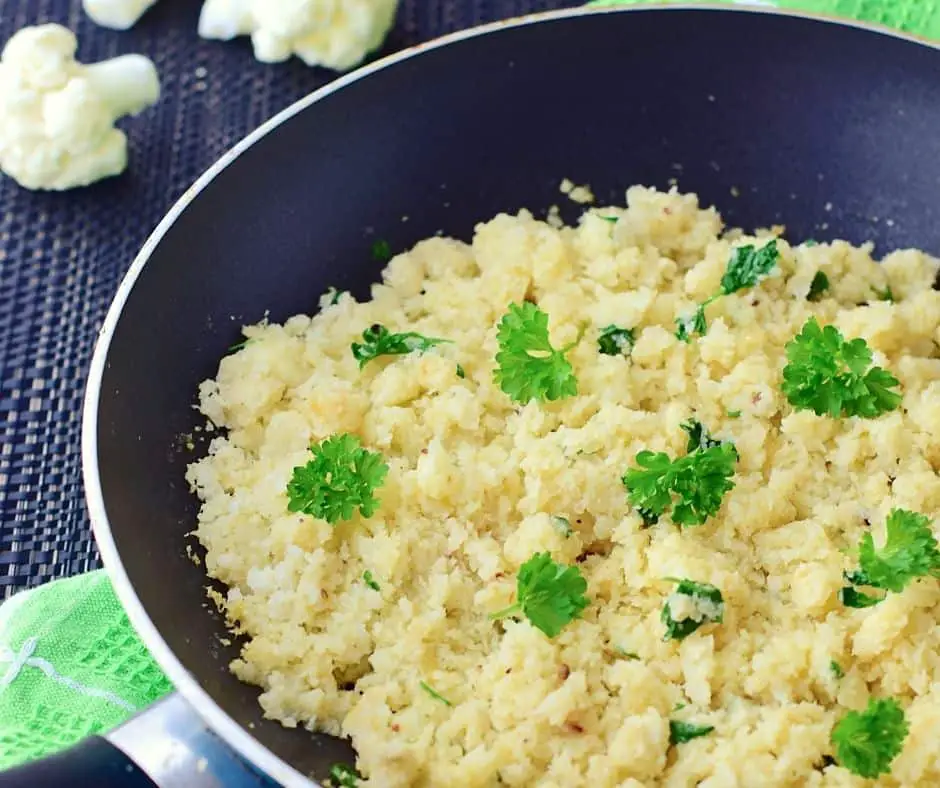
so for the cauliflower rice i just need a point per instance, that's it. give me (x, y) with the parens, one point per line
(475, 480)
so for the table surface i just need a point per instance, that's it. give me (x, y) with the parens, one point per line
(63, 255)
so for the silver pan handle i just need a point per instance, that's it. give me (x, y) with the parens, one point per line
(171, 744)
(165, 746)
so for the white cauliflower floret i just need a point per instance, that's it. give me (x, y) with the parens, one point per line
(116, 14)
(337, 34)
(57, 115)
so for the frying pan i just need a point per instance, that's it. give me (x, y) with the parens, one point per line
(832, 129)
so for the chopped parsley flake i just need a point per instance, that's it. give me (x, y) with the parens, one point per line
(818, 287)
(381, 251)
(332, 296)
(748, 266)
(616, 341)
(435, 694)
(852, 597)
(562, 525)
(681, 732)
(689, 325)
(885, 295)
(342, 775)
(699, 437)
(689, 607)
(622, 652)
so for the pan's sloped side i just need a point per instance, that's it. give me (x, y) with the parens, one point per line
(819, 126)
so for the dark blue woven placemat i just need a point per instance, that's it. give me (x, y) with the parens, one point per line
(62, 255)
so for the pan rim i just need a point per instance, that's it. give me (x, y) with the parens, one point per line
(234, 734)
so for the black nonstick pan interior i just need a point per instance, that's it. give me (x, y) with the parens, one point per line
(832, 130)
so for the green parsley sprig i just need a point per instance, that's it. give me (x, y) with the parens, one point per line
(528, 367)
(341, 477)
(746, 268)
(695, 483)
(550, 595)
(707, 604)
(378, 341)
(616, 341)
(868, 741)
(831, 376)
(910, 551)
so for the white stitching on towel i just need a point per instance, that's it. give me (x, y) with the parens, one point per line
(25, 658)
(17, 661)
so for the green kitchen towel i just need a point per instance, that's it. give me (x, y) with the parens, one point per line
(921, 17)
(70, 663)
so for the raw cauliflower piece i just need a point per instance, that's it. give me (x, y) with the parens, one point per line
(116, 14)
(337, 34)
(57, 116)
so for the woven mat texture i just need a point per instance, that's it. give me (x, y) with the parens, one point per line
(63, 255)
